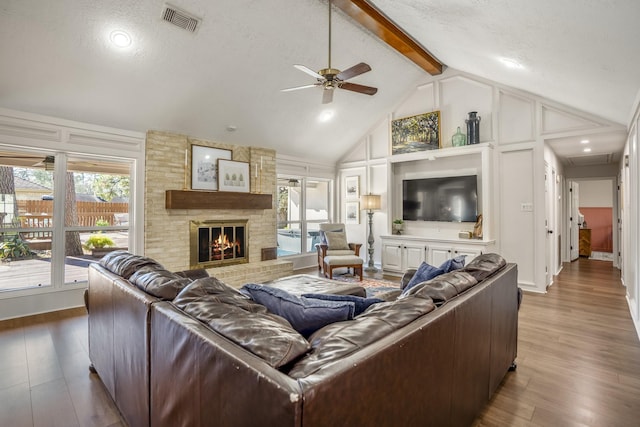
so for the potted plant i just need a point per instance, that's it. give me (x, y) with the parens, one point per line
(398, 226)
(14, 248)
(99, 244)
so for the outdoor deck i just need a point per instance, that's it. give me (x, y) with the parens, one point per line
(36, 272)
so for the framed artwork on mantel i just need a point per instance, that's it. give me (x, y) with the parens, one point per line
(233, 176)
(204, 166)
(415, 133)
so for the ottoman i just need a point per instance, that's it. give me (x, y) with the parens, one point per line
(340, 261)
(308, 284)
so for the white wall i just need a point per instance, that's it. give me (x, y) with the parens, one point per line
(596, 193)
(516, 124)
(630, 217)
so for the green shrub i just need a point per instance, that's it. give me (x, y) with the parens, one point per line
(102, 223)
(14, 248)
(98, 241)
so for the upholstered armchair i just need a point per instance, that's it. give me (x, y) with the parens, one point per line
(333, 242)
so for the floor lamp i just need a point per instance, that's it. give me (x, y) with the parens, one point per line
(370, 202)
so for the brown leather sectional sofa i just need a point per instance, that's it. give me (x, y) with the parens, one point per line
(431, 358)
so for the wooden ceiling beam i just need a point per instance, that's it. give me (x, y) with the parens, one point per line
(375, 21)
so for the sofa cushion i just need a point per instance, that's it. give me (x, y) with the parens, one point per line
(455, 263)
(360, 303)
(442, 288)
(162, 284)
(337, 240)
(425, 272)
(338, 340)
(194, 274)
(306, 315)
(484, 266)
(124, 264)
(243, 321)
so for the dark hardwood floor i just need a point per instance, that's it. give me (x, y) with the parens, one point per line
(578, 362)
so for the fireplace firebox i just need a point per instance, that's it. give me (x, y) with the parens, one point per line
(215, 243)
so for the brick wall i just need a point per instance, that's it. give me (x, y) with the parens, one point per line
(166, 232)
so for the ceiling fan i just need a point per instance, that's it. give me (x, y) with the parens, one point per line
(332, 78)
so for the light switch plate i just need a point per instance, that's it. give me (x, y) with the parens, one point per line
(526, 207)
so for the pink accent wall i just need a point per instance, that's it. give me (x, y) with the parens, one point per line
(599, 220)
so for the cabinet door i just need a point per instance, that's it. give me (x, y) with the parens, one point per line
(471, 253)
(392, 256)
(439, 254)
(414, 255)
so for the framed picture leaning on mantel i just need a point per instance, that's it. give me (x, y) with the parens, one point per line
(204, 166)
(233, 176)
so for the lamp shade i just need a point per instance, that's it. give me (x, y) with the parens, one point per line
(370, 202)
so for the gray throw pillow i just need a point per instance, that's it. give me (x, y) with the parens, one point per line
(337, 240)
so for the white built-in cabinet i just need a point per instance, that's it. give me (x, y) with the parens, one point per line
(400, 253)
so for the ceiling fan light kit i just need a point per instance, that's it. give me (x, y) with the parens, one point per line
(331, 78)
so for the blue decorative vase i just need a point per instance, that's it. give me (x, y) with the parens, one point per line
(473, 128)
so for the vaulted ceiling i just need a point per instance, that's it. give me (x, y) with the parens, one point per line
(223, 81)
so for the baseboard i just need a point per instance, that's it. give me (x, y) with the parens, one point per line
(530, 287)
(46, 302)
(634, 316)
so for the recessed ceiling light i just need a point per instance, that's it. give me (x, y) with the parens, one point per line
(326, 115)
(584, 141)
(120, 38)
(512, 63)
(587, 150)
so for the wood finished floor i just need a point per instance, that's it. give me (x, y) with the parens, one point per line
(578, 362)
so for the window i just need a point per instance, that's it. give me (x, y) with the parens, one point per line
(303, 204)
(51, 229)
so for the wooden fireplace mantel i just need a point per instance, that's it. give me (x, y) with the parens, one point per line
(190, 199)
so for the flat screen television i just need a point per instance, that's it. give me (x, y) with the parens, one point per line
(449, 199)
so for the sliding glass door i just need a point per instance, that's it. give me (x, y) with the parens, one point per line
(58, 214)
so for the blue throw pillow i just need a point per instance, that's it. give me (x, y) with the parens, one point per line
(425, 272)
(453, 264)
(306, 315)
(361, 303)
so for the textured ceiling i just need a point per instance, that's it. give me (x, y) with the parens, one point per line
(57, 61)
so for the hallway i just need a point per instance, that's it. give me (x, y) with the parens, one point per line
(578, 355)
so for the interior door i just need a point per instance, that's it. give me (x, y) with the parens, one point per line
(548, 222)
(574, 191)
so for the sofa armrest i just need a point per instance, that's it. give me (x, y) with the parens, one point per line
(406, 277)
(355, 247)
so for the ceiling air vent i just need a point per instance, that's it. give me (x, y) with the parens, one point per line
(598, 159)
(180, 18)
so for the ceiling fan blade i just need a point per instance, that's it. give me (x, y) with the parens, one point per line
(299, 87)
(356, 70)
(327, 96)
(367, 90)
(308, 71)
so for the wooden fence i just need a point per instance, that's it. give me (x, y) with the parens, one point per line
(37, 213)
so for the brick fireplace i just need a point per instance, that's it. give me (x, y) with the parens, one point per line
(167, 232)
